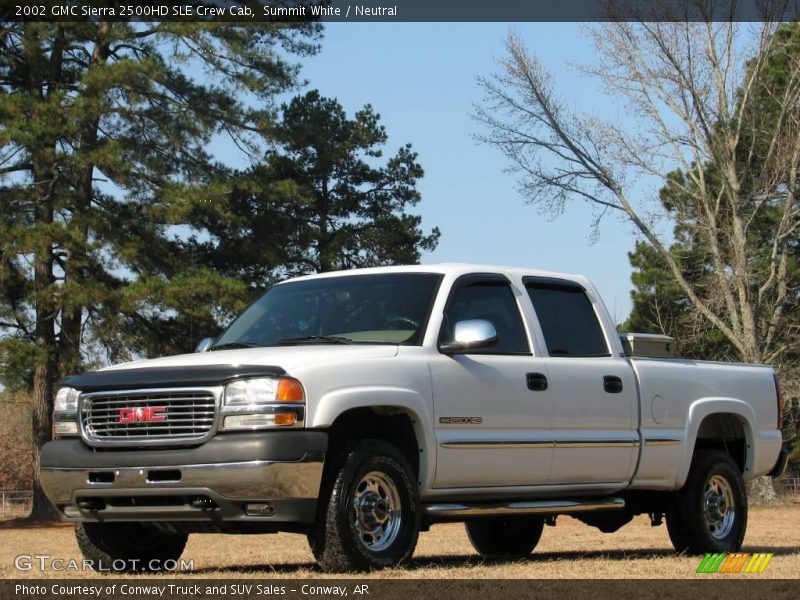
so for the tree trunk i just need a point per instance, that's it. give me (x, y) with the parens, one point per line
(77, 261)
(40, 77)
(761, 492)
(43, 381)
(46, 370)
(323, 238)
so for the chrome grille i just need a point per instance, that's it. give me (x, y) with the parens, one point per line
(148, 416)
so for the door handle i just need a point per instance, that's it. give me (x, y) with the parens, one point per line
(612, 384)
(537, 382)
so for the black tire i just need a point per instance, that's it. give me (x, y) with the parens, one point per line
(380, 476)
(513, 536)
(689, 529)
(129, 547)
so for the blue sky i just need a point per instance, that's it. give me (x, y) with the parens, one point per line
(421, 78)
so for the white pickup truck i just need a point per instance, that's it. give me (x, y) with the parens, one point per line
(361, 407)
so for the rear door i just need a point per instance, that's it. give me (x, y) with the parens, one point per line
(491, 428)
(595, 413)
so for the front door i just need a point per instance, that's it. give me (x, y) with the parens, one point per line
(492, 421)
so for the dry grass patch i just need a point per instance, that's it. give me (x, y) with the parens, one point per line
(570, 550)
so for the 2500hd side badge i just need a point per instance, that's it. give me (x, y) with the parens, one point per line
(460, 420)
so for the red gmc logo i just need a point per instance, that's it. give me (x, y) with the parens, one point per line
(145, 414)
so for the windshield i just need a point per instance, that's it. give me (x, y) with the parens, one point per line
(373, 309)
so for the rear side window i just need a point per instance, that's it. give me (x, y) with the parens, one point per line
(493, 301)
(567, 318)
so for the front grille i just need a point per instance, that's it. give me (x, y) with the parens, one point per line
(164, 415)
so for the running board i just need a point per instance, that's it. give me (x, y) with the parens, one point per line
(438, 512)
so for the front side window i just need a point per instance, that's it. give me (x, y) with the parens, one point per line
(369, 309)
(492, 301)
(567, 318)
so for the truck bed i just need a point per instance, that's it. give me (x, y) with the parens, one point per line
(676, 395)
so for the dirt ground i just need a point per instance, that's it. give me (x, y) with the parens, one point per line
(569, 550)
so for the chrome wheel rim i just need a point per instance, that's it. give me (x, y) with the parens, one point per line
(719, 507)
(376, 511)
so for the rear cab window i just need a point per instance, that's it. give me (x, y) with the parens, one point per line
(567, 318)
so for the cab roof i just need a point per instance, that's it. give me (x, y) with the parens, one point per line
(452, 269)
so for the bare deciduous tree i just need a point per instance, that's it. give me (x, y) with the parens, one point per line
(694, 89)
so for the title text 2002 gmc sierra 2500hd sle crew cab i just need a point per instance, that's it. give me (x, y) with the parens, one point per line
(360, 407)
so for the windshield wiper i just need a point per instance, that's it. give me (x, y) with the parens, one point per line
(315, 339)
(233, 345)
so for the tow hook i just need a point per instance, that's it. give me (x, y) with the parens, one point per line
(656, 519)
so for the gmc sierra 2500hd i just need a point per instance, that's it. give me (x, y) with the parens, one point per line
(361, 407)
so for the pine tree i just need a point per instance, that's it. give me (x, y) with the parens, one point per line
(103, 135)
(322, 199)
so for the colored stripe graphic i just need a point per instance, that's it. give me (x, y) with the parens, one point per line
(734, 563)
(730, 559)
(740, 563)
(702, 568)
(762, 563)
(717, 563)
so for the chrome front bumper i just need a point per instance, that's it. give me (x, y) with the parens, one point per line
(207, 483)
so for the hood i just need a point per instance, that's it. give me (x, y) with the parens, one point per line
(285, 357)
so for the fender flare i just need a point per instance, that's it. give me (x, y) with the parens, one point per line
(704, 407)
(336, 402)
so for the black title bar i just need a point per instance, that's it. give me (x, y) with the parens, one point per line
(255, 11)
(109, 588)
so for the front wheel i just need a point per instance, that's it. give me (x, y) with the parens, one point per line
(710, 513)
(129, 546)
(369, 511)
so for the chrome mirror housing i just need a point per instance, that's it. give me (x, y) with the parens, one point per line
(472, 334)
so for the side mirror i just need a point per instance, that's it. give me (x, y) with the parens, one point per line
(473, 334)
(203, 345)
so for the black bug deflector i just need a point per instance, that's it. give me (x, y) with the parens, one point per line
(155, 377)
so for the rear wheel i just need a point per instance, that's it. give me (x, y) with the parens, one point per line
(513, 536)
(710, 513)
(369, 512)
(129, 546)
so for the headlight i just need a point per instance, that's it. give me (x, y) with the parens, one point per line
(65, 412)
(250, 391)
(258, 392)
(66, 400)
(263, 402)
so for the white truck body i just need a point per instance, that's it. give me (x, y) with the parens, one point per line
(571, 437)
(524, 426)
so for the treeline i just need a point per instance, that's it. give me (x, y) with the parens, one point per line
(709, 142)
(123, 236)
(15, 442)
(750, 279)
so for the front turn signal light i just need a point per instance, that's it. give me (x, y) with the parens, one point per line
(260, 420)
(285, 419)
(290, 390)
